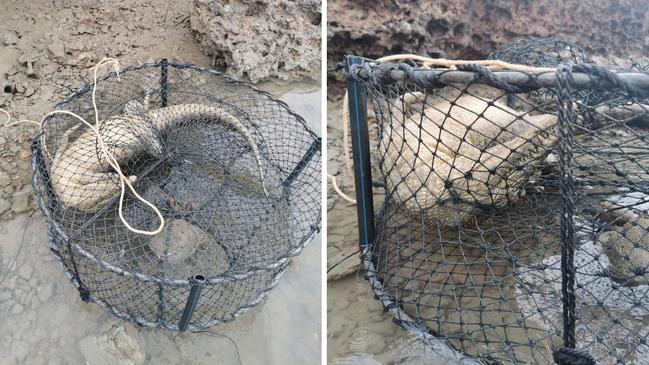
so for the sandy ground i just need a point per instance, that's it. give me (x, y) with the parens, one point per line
(44, 321)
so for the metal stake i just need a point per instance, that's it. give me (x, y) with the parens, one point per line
(198, 281)
(361, 153)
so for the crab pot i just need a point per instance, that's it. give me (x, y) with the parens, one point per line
(234, 172)
(510, 235)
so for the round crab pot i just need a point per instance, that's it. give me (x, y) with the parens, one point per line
(234, 172)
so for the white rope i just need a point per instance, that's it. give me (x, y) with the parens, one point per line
(339, 191)
(112, 161)
(6, 123)
(9, 123)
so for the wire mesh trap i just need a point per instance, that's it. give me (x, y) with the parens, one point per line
(233, 171)
(517, 234)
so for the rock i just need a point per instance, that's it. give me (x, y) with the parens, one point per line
(27, 59)
(350, 265)
(20, 350)
(30, 69)
(4, 179)
(25, 271)
(5, 296)
(626, 244)
(57, 49)
(21, 200)
(259, 40)
(45, 291)
(84, 29)
(9, 360)
(29, 91)
(10, 38)
(119, 345)
(17, 308)
(4, 205)
(178, 241)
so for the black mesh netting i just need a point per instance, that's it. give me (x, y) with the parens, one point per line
(541, 52)
(514, 233)
(549, 52)
(234, 172)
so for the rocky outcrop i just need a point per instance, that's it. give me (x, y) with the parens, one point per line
(467, 29)
(119, 345)
(257, 40)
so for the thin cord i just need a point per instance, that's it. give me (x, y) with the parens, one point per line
(343, 260)
(20, 247)
(225, 336)
(8, 116)
(8, 122)
(339, 190)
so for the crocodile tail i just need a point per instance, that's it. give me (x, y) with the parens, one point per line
(178, 114)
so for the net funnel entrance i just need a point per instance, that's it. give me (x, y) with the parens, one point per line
(234, 172)
(516, 234)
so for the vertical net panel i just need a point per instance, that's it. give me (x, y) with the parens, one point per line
(469, 238)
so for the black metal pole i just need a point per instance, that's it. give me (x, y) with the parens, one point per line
(361, 152)
(198, 281)
(164, 89)
(304, 161)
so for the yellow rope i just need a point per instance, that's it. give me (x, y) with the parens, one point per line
(427, 63)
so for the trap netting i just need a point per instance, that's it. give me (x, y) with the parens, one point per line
(519, 235)
(233, 171)
(541, 52)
